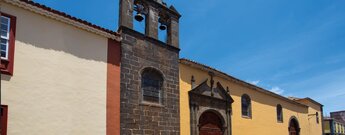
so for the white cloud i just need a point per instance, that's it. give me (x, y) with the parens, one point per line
(276, 90)
(254, 82)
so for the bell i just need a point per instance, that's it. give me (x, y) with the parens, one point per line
(162, 27)
(139, 17)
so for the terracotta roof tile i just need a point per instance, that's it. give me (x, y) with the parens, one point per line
(69, 16)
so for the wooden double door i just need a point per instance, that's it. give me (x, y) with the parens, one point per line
(294, 127)
(210, 130)
(210, 124)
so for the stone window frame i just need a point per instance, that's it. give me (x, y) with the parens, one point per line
(280, 116)
(249, 106)
(162, 94)
(6, 65)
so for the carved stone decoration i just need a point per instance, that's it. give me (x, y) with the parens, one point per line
(204, 99)
(192, 82)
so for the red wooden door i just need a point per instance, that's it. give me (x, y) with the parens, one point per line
(210, 124)
(3, 122)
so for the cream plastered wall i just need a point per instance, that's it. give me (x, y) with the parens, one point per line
(59, 81)
(264, 118)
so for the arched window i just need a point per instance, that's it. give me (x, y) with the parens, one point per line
(279, 113)
(246, 106)
(151, 85)
(317, 117)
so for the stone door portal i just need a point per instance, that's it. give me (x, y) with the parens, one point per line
(210, 109)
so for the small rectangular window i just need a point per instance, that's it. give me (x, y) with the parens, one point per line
(279, 113)
(7, 41)
(5, 36)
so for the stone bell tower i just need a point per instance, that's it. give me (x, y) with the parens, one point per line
(149, 69)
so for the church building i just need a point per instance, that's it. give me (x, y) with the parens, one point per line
(63, 75)
(213, 101)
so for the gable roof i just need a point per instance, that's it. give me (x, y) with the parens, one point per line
(235, 80)
(63, 17)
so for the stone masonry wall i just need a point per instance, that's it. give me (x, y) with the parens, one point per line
(139, 52)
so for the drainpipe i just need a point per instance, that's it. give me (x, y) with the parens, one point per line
(323, 128)
(331, 126)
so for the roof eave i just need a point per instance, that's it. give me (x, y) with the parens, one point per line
(231, 78)
(65, 18)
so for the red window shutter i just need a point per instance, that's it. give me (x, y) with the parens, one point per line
(3, 118)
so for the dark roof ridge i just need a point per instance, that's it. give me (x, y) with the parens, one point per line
(338, 111)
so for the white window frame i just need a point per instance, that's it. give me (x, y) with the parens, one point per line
(7, 36)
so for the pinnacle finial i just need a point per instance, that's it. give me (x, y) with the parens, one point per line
(161, 2)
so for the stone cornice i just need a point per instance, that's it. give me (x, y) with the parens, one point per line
(125, 30)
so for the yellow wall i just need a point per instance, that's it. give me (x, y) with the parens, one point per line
(327, 126)
(59, 81)
(312, 109)
(264, 119)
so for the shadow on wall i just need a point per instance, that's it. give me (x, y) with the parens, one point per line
(46, 33)
(35, 32)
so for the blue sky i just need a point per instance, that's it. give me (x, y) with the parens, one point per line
(291, 47)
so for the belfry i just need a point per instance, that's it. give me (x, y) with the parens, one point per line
(149, 69)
